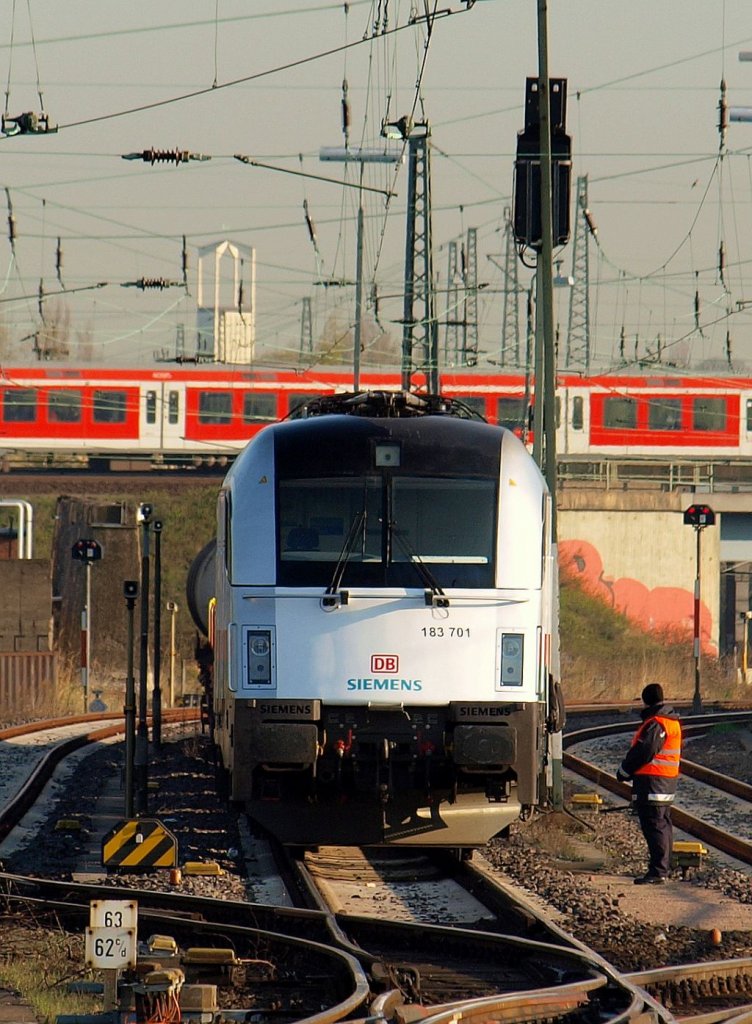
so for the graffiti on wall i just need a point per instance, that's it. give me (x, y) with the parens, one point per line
(666, 610)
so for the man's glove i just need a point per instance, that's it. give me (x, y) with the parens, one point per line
(622, 776)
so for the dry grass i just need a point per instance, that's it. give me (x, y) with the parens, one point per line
(605, 657)
(39, 962)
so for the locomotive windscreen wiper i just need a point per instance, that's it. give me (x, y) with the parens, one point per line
(434, 594)
(357, 527)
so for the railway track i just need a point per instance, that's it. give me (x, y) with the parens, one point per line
(720, 839)
(357, 962)
(508, 962)
(75, 732)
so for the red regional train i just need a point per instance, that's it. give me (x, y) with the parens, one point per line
(206, 414)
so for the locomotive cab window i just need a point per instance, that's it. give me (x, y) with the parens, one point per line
(448, 525)
(386, 530)
(19, 405)
(64, 406)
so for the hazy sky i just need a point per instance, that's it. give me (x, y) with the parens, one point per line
(643, 80)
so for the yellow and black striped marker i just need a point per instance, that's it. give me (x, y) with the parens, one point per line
(139, 843)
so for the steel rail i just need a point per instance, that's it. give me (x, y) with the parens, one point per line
(700, 971)
(518, 1006)
(734, 787)
(491, 883)
(718, 1016)
(23, 800)
(734, 846)
(190, 926)
(361, 933)
(735, 1015)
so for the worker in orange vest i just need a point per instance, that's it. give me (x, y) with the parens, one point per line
(652, 766)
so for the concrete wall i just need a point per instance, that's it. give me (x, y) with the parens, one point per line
(635, 551)
(26, 606)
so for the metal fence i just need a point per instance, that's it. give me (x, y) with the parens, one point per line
(26, 678)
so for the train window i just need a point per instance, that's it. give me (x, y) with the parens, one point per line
(315, 519)
(620, 413)
(64, 406)
(664, 413)
(477, 405)
(109, 407)
(709, 414)
(448, 525)
(749, 414)
(511, 412)
(578, 418)
(173, 408)
(259, 408)
(215, 407)
(19, 405)
(151, 407)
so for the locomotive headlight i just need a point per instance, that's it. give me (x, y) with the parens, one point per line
(260, 646)
(511, 657)
(259, 657)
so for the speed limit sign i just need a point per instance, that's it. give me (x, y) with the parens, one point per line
(111, 938)
(108, 948)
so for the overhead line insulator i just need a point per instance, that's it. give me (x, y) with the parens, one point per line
(144, 283)
(165, 156)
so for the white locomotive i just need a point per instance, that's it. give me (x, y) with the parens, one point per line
(383, 625)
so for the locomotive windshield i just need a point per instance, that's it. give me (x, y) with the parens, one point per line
(383, 527)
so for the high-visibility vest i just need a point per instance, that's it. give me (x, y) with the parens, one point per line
(666, 762)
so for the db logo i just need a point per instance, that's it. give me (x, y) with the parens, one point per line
(384, 662)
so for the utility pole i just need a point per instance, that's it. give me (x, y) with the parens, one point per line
(546, 265)
(419, 331)
(156, 696)
(470, 281)
(578, 330)
(130, 592)
(510, 324)
(347, 154)
(698, 517)
(451, 321)
(88, 552)
(306, 327)
(141, 759)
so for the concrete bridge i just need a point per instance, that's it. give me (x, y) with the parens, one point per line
(630, 544)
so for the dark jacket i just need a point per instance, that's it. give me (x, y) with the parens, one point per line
(649, 788)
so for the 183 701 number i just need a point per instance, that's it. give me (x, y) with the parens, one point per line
(437, 632)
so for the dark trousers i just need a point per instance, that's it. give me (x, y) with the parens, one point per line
(655, 822)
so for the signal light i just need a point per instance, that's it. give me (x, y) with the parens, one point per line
(699, 515)
(86, 551)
